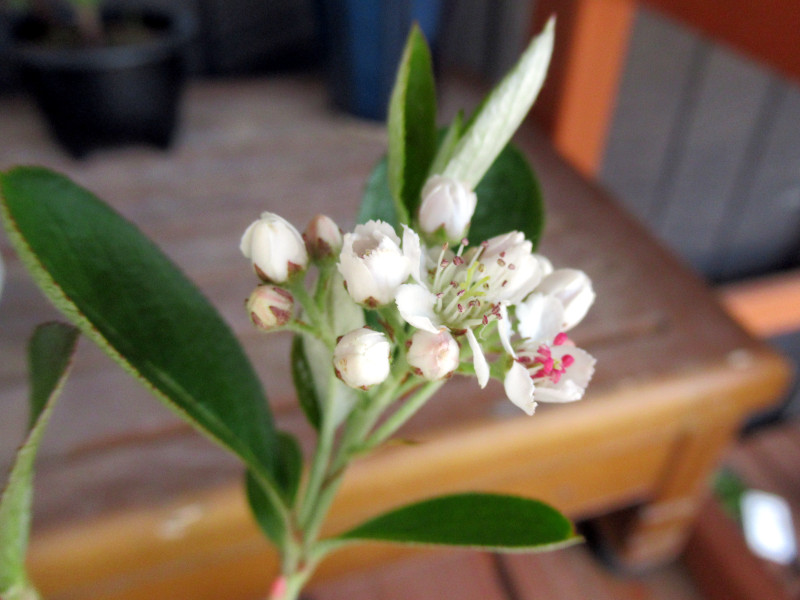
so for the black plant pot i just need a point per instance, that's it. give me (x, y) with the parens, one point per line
(105, 96)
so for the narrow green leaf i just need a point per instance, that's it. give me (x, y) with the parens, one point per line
(126, 295)
(509, 197)
(304, 385)
(377, 203)
(502, 112)
(411, 125)
(50, 355)
(484, 521)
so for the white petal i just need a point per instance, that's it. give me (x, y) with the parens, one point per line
(412, 250)
(539, 317)
(415, 304)
(478, 359)
(519, 388)
(574, 289)
(504, 330)
(565, 391)
(582, 369)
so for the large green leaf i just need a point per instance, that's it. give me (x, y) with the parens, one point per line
(126, 295)
(50, 353)
(411, 125)
(485, 521)
(502, 112)
(290, 471)
(509, 197)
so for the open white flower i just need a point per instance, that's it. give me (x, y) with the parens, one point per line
(548, 372)
(447, 204)
(433, 356)
(374, 265)
(275, 248)
(362, 358)
(462, 291)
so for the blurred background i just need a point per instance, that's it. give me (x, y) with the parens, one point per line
(702, 146)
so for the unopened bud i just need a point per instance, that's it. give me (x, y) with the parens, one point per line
(448, 204)
(433, 356)
(270, 307)
(323, 238)
(361, 358)
(275, 247)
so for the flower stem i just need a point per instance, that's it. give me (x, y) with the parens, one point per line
(402, 414)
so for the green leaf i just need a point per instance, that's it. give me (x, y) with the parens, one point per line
(447, 145)
(509, 197)
(502, 112)
(304, 385)
(377, 202)
(290, 471)
(483, 521)
(126, 295)
(412, 125)
(50, 355)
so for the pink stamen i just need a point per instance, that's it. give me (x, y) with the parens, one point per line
(560, 339)
(568, 360)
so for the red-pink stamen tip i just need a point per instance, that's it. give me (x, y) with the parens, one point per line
(560, 339)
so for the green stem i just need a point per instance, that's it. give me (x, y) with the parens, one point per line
(408, 409)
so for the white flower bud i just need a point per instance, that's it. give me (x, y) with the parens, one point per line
(323, 237)
(446, 203)
(361, 358)
(433, 356)
(373, 265)
(275, 247)
(573, 289)
(270, 307)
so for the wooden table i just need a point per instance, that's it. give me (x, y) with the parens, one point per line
(132, 504)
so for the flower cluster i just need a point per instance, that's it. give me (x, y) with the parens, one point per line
(444, 305)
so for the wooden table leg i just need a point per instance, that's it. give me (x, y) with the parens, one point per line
(656, 532)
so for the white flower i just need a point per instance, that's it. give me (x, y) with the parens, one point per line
(446, 203)
(373, 264)
(361, 358)
(541, 372)
(462, 292)
(275, 247)
(573, 289)
(433, 356)
(323, 237)
(270, 307)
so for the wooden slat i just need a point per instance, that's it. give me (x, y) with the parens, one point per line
(578, 99)
(768, 306)
(767, 29)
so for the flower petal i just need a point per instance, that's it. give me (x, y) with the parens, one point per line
(412, 250)
(415, 304)
(519, 388)
(478, 359)
(539, 317)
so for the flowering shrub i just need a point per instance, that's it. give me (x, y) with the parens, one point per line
(434, 282)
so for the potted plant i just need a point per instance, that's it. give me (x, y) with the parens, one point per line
(102, 74)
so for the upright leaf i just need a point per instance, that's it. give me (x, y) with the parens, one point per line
(49, 356)
(126, 295)
(304, 383)
(412, 125)
(485, 521)
(502, 112)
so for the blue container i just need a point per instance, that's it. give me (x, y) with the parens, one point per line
(363, 41)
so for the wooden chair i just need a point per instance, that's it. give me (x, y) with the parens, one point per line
(577, 103)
